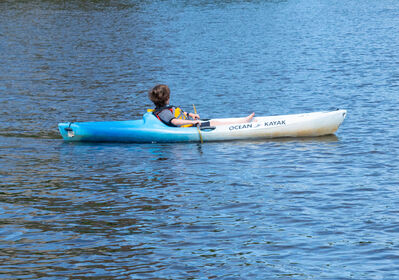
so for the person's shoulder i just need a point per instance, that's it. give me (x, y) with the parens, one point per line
(165, 111)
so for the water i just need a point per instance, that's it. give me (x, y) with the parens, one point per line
(316, 208)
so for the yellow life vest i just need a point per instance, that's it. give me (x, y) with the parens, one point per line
(177, 112)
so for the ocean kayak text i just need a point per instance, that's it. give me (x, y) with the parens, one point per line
(255, 125)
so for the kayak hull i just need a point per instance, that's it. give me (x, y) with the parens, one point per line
(150, 130)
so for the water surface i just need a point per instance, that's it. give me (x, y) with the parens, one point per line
(312, 208)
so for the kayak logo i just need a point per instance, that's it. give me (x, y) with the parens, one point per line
(255, 125)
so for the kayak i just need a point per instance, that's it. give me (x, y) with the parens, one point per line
(151, 130)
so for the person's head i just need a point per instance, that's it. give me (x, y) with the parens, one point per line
(160, 95)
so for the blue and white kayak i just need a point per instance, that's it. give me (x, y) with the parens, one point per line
(150, 130)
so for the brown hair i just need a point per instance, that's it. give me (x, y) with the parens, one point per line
(159, 95)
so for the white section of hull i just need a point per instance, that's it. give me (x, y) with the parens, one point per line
(299, 125)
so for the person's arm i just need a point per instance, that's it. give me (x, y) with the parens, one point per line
(179, 122)
(193, 116)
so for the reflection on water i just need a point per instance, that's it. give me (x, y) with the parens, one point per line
(294, 208)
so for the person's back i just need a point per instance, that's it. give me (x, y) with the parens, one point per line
(170, 115)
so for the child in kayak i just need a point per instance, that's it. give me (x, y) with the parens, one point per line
(174, 116)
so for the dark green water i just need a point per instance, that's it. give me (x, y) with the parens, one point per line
(316, 208)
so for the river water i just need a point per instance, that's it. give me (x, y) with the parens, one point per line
(312, 208)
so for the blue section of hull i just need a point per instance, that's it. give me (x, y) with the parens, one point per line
(147, 130)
